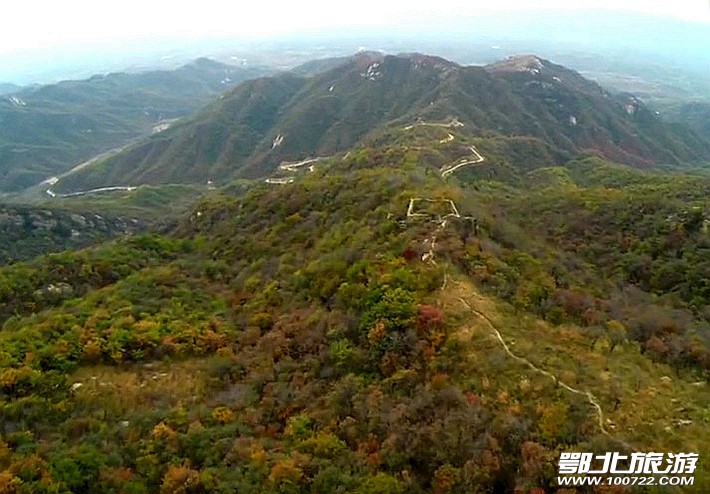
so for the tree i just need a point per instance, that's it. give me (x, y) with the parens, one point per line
(381, 483)
(181, 479)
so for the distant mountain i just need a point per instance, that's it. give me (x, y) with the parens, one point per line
(320, 65)
(7, 88)
(696, 114)
(263, 122)
(620, 127)
(46, 130)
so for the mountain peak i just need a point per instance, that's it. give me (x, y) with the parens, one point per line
(417, 59)
(520, 63)
(291, 118)
(423, 60)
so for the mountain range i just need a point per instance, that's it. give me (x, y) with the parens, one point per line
(46, 130)
(252, 129)
(436, 282)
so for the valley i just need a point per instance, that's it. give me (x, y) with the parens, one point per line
(45, 130)
(53, 180)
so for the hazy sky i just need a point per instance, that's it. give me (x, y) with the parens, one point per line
(31, 25)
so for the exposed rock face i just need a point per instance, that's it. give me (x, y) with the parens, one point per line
(26, 232)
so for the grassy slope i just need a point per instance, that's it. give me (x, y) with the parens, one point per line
(651, 403)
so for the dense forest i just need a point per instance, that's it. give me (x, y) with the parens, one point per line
(338, 333)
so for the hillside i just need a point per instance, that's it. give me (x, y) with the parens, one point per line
(353, 329)
(26, 232)
(31, 227)
(695, 114)
(624, 130)
(287, 118)
(46, 130)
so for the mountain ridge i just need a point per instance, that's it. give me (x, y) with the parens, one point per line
(334, 110)
(45, 130)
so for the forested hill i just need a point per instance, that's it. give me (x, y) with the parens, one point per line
(45, 130)
(351, 328)
(27, 232)
(289, 117)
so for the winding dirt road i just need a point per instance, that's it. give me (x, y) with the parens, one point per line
(449, 169)
(477, 158)
(454, 122)
(95, 191)
(587, 394)
(292, 167)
